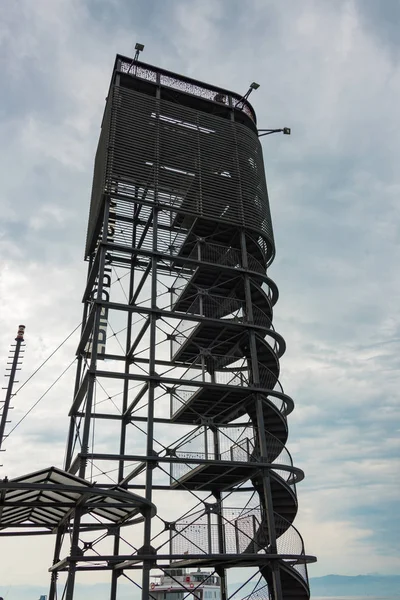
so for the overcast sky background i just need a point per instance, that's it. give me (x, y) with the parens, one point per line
(329, 70)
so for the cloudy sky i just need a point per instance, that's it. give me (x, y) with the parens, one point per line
(329, 70)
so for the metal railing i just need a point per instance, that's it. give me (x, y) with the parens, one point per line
(242, 450)
(245, 532)
(228, 310)
(218, 254)
(288, 477)
(260, 592)
(289, 541)
(226, 256)
(235, 375)
(185, 84)
(239, 452)
(200, 536)
(179, 470)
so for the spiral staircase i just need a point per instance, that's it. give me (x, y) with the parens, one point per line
(180, 189)
(237, 346)
(179, 203)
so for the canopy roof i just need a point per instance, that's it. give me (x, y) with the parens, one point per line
(46, 498)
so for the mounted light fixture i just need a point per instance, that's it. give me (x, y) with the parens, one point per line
(253, 86)
(139, 48)
(284, 130)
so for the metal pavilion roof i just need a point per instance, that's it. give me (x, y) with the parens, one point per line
(46, 498)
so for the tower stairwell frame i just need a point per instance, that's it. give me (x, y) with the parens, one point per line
(177, 395)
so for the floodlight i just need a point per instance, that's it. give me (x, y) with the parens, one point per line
(284, 130)
(253, 86)
(139, 48)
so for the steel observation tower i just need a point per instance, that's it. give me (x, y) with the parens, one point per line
(178, 424)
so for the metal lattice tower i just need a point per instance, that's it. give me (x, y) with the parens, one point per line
(177, 397)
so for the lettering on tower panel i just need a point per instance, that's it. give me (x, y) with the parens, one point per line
(105, 295)
(102, 337)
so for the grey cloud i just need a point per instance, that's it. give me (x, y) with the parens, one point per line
(382, 20)
(324, 70)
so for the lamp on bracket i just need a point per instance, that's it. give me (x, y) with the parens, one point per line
(138, 49)
(284, 130)
(253, 86)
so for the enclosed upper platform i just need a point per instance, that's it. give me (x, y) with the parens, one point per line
(190, 148)
(173, 87)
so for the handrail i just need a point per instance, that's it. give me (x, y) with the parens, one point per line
(185, 84)
(237, 376)
(224, 255)
(240, 451)
(226, 309)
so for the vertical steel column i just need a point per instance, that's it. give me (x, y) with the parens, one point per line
(72, 423)
(89, 399)
(56, 558)
(93, 349)
(150, 414)
(220, 521)
(125, 396)
(69, 592)
(147, 565)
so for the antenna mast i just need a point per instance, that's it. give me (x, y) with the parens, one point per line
(15, 351)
